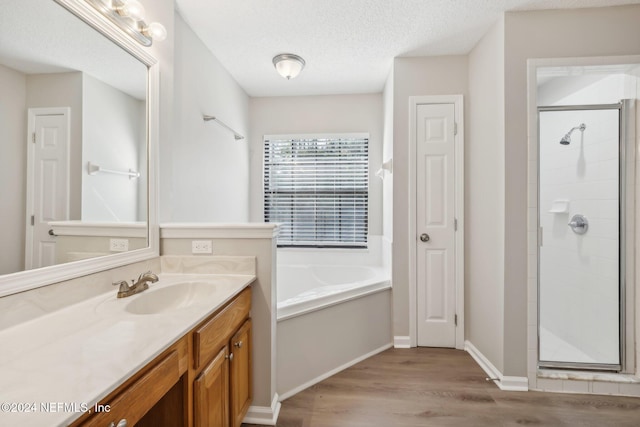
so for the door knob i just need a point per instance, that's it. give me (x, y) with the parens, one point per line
(424, 237)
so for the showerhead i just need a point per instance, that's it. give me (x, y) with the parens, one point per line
(566, 140)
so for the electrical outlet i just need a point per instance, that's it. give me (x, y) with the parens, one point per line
(118, 245)
(201, 247)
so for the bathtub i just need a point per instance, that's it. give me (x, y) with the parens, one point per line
(306, 288)
(333, 310)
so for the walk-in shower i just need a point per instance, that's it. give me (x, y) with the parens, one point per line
(581, 243)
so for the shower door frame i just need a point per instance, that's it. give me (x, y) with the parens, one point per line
(622, 107)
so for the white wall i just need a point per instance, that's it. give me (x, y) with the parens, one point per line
(387, 184)
(558, 33)
(13, 172)
(208, 169)
(411, 77)
(484, 210)
(318, 114)
(587, 89)
(112, 125)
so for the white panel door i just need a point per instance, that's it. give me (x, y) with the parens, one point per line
(49, 185)
(435, 226)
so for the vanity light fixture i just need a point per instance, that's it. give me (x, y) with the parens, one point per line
(288, 65)
(129, 15)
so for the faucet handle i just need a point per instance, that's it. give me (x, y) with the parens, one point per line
(123, 285)
(144, 274)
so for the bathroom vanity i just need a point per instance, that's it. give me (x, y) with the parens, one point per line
(178, 354)
(204, 379)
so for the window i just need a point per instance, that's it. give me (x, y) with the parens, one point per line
(316, 187)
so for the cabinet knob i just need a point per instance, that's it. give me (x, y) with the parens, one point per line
(238, 344)
(230, 357)
(122, 423)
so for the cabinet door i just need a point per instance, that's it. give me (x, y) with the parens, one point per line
(211, 393)
(241, 378)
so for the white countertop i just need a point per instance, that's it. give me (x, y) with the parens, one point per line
(78, 355)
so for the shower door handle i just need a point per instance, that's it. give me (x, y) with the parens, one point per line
(424, 237)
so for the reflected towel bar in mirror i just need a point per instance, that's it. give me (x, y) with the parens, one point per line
(93, 169)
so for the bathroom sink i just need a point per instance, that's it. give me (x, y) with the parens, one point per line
(160, 298)
(169, 298)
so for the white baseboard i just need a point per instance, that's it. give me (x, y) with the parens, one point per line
(402, 341)
(264, 415)
(507, 383)
(326, 375)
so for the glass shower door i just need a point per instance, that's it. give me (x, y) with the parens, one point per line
(579, 254)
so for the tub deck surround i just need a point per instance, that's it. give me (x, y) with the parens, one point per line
(303, 289)
(79, 354)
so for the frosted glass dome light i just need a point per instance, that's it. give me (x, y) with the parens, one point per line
(288, 65)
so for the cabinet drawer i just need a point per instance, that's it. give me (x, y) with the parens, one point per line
(133, 403)
(214, 334)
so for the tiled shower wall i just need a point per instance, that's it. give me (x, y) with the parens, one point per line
(579, 273)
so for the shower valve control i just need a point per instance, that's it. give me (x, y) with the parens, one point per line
(579, 224)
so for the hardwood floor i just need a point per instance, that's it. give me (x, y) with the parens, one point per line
(441, 387)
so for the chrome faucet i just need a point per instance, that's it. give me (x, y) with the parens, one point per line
(137, 286)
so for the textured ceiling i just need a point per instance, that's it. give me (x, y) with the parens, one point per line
(349, 45)
(40, 36)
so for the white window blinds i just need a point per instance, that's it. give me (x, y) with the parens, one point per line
(317, 189)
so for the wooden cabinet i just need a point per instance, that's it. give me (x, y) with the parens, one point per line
(215, 332)
(241, 384)
(223, 389)
(137, 399)
(203, 380)
(211, 393)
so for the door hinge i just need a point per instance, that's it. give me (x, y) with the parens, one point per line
(33, 220)
(33, 137)
(455, 128)
(455, 224)
(455, 320)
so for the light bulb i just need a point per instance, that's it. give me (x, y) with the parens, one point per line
(156, 31)
(133, 9)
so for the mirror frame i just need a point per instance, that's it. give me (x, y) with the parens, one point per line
(31, 279)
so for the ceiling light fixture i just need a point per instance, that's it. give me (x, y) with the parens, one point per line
(129, 15)
(288, 65)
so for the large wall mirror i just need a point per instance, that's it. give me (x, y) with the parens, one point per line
(78, 117)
